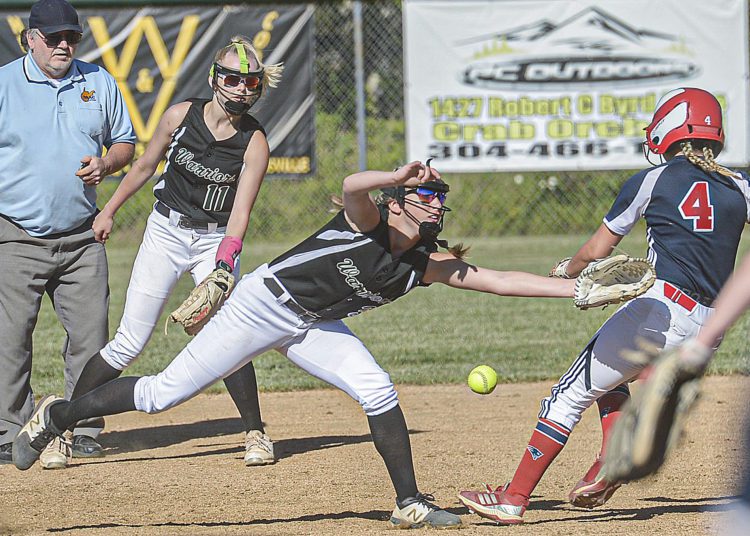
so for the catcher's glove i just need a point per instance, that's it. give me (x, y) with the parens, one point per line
(203, 301)
(560, 269)
(613, 280)
(652, 422)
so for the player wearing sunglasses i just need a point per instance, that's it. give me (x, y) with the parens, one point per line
(239, 85)
(217, 155)
(430, 198)
(371, 253)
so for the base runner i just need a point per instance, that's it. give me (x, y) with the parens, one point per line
(695, 212)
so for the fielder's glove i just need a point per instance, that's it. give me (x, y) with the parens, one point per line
(652, 421)
(560, 269)
(203, 301)
(613, 280)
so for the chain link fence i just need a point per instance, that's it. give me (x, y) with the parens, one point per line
(486, 204)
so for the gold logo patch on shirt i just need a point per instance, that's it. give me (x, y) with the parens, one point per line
(87, 96)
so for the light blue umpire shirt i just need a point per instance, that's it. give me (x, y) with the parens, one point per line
(46, 127)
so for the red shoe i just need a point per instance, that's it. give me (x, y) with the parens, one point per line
(593, 489)
(495, 505)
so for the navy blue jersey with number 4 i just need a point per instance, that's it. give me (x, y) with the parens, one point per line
(694, 220)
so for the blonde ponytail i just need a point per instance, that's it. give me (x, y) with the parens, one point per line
(705, 161)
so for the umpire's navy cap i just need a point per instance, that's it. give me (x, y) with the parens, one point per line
(50, 16)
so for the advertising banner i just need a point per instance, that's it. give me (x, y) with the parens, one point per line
(505, 85)
(162, 55)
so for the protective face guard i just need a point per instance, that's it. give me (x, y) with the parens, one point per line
(427, 230)
(219, 69)
(234, 107)
(434, 186)
(647, 154)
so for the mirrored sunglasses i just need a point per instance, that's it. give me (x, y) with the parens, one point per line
(54, 39)
(234, 80)
(426, 196)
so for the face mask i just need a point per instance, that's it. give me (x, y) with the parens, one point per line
(234, 107)
(428, 230)
(253, 80)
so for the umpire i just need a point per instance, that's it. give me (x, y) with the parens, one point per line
(56, 115)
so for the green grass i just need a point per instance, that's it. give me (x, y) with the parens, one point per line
(434, 335)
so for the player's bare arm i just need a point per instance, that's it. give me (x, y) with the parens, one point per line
(142, 170)
(449, 270)
(600, 245)
(360, 209)
(256, 163)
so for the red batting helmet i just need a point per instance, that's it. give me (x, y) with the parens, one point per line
(682, 114)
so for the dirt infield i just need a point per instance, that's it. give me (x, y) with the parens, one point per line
(181, 472)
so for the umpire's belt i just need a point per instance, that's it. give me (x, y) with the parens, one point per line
(680, 298)
(182, 221)
(276, 289)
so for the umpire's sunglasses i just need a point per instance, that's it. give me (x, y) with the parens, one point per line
(54, 39)
(426, 196)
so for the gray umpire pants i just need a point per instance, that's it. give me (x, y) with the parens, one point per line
(72, 270)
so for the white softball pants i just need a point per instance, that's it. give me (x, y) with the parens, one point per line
(166, 253)
(601, 367)
(253, 321)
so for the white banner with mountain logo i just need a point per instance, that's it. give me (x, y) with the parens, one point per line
(514, 85)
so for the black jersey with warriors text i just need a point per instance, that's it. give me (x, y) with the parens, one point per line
(339, 272)
(694, 220)
(200, 177)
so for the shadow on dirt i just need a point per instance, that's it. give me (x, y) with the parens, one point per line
(373, 515)
(625, 514)
(667, 506)
(140, 439)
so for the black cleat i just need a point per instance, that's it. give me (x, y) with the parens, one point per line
(86, 447)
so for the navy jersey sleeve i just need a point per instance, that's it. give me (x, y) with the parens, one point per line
(630, 204)
(743, 182)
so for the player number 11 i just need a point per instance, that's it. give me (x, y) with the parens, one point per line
(215, 197)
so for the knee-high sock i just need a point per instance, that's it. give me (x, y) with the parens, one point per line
(610, 409)
(96, 372)
(109, 399)
(243, 388)
(610, 406)
(391, 438)
(545, 444)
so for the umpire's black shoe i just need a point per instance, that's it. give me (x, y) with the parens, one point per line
(86, 447)
(6, 453)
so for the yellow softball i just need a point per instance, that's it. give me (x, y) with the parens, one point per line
(483, 379)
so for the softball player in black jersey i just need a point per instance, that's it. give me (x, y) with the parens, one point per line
(695, 212)
(217, 155)
(370, 254)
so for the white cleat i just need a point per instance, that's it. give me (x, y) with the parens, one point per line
(56, 455)
(258, 449)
